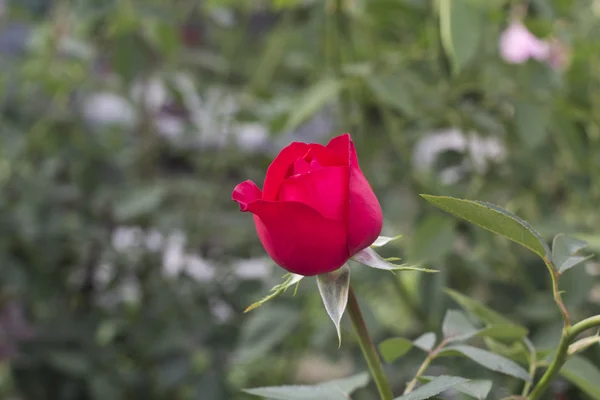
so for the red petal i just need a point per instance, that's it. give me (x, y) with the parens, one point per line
(365, 217)
(279, 167)
(326, 157)
(325, 190)
(245, 193)
(298, 238)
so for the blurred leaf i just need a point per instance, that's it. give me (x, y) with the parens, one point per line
(130, 56)
(70, 362)
(479, 310)
(140, 202)
(494, 219)
(531, 121)
(349, 384)
(461, 27)
(503, 332)
(311, 101)
(298, 393)
(583, 374)
(394, 348)
(102, 387)
(383, 240)
(474, 388)
(488, 360)
(564, 249)
(433, 238)
(430, 389)
(265, 330)
(333, 287)
(392, 91)
(371, 259)
(426, 341)
(456, 326)
(514, 351)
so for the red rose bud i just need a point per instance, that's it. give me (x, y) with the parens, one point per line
(316, 209)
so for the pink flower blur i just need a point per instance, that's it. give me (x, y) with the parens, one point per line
(517, 45)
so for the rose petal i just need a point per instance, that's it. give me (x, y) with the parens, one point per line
(245, 193)
(326, 157)
(325, 190)
(365, 217)
(298, 238)
(301, 167)
(278, 169)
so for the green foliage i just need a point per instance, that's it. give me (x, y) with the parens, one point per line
(336, 389)
(96, 196)
(584, 374)
(436, 386)
(394, 348)
(564, 249)
(494, 219)
(461, 24)
(478, 389)
(488, 360)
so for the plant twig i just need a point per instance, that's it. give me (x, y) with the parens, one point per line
(569, 334)
(554, 274)
(367, 347)
(430, 357)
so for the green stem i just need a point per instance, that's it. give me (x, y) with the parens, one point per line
(367, 347)
(554, 274)
(569, 334)
(430, 357)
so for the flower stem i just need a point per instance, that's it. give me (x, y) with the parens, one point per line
(367, 347)
(569, 334)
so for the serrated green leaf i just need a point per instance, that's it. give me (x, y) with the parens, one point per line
(350, 384)
(564, 249)
(478, 389)
(494, 219)
(371, 259)
(298, 392)
(383, 240)
(333, 287)
(456, 326)
(583, 374)
(394, 348)
(289, 280)
(311, 101)
(425, 342)
(461, 26)
(435, 387)
(488, 360)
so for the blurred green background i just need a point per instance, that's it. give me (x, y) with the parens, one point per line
(125, 124)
